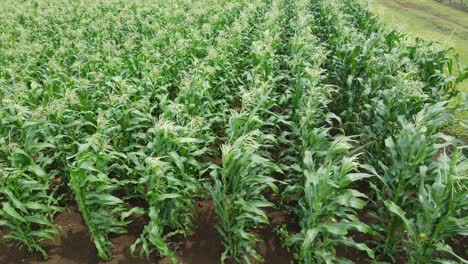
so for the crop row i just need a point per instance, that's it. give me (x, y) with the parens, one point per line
(141, 108)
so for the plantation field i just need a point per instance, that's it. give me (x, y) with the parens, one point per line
(434, 20)
(221, 131)
(429, 19)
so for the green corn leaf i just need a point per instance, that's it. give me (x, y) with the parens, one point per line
(38, 220)
(7, 208)
(35, 206)
(309, 238)
(18, 204)
(447, 249)
(352, 177)
(392, 207)
(165, 196)
(335, 228)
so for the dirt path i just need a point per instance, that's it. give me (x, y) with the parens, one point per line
(430, 11)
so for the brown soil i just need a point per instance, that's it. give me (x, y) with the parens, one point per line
(203, 246)
(74, 245)
(459, 245)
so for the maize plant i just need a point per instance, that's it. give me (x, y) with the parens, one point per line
(27, 209)
(29, 202)
(168, 185)
(205, 96)
(407, 157)
(441, 211)
(169, 199)
(404, 91)
(325, 205)
(370, 68)
(175, 179)
(238, 185)
(237, 195)
(92, 187)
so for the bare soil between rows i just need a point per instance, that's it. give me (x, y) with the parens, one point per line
(203, 246)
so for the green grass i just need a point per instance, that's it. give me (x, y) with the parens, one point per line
(432, 20)
(457, 3)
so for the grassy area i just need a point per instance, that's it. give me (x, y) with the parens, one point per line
(457, 3)
(433, 20)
